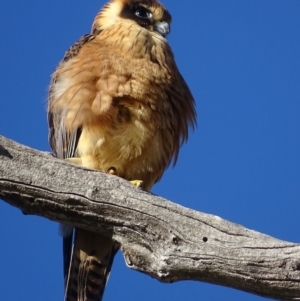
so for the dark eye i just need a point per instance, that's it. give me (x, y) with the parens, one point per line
(143, 13)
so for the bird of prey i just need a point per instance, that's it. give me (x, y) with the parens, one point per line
(117, 103)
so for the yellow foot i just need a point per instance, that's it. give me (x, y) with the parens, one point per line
(137, 183)
(74, 160)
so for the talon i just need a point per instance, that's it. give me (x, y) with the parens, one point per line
(137, 183)
(112, 171)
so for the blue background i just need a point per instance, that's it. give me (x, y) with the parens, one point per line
(241, 60)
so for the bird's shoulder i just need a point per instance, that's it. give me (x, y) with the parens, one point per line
(76, 47)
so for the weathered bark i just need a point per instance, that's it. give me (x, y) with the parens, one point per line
(157, 237)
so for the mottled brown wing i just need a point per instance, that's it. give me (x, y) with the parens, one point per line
(62, 142)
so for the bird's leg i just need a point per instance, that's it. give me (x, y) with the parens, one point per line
(74, 160)
(113, 171)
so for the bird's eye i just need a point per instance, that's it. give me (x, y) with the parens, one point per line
(143, 13)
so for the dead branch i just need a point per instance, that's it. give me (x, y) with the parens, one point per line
(157, 237)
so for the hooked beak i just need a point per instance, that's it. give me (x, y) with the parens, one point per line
(162, 27)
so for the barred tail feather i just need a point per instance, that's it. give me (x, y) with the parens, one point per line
(90, 266)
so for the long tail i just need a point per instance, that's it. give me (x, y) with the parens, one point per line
(91, 261)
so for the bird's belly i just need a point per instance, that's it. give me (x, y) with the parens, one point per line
(134, 150)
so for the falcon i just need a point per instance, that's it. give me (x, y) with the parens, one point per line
(118, 104)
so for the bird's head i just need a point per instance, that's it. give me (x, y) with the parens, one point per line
(149, 14)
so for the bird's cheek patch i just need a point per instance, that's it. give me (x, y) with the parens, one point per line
(101, 103)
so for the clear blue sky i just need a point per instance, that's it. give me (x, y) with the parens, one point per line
(241, 60)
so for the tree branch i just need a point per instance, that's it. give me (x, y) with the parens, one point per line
(157, 237)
